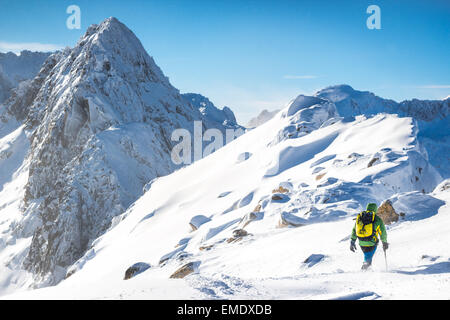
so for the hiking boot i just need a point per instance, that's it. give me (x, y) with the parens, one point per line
(365, 265)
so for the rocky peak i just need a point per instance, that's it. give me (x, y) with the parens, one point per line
(100, 118)
(113, 49)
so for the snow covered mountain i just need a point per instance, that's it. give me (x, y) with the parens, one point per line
(261, 118)
(78, 144)
(211, 112)
(270, 214)
(89, 194)
(17, 68)
(432, 116)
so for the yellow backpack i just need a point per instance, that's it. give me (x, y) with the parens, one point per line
(365, 230)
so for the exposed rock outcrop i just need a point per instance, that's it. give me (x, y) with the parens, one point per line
(136, 269)
(280, 189)
(206, 247)
(372, 162)
(249, 217)
(279, 197)
(185, 270)
(320, 176)
(387, 212)
(238, 234)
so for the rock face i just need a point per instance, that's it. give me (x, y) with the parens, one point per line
(136, 269)
(387, 213)
(100, 118)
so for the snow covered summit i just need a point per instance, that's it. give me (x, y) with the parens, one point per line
(432, 117)
(351, 102)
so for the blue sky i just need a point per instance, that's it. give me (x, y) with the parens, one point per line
(252, 55)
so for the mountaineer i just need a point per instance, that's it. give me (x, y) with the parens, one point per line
(368, 227)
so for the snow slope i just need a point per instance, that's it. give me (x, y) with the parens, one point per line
(304, 190)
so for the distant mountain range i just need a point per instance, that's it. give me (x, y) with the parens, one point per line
(261, 118)
(17, 68)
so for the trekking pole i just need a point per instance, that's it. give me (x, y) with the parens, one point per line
(385, 260)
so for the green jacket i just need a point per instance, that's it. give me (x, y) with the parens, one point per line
(380, 231)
